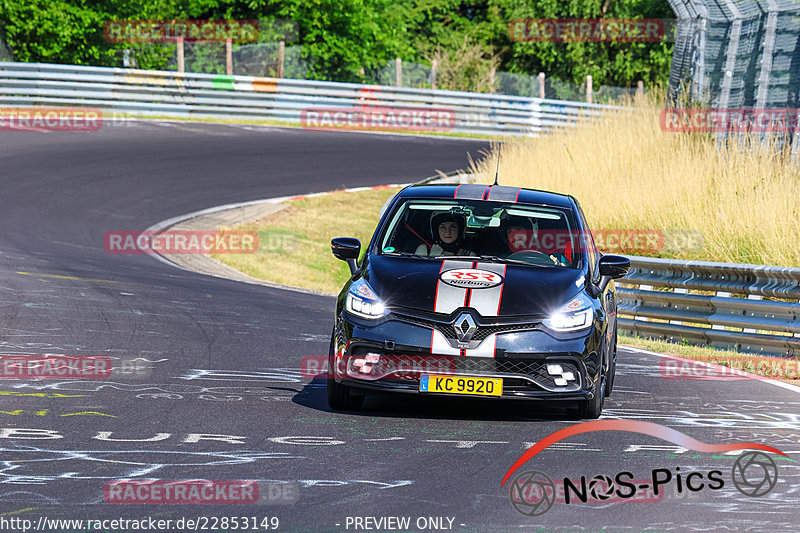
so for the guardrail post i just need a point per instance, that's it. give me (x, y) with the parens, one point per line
(752, 297)
(639, 89)
(643, 288)
(281, 57)
(589, 89)
(541, 85)
(229, 56)
(434, 68)
(721, 294)
(180, 55)
(398, 72)
(678, 290)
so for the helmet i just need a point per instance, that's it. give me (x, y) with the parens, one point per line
(448, 217)
(525, 237)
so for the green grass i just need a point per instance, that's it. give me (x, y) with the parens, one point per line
(294, 244)
(755, 364)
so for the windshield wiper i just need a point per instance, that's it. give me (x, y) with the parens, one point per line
(508, 260)
(408, 254)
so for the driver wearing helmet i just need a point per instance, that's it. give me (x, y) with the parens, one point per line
(448, 236)
(522, 235)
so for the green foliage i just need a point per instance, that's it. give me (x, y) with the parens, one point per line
(54, 31)
(617, 63)
(343, 39)
(465, 67)
(347, 40)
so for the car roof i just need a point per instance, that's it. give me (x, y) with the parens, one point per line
(499, 193)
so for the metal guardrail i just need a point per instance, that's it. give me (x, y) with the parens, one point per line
(751, 308)
(157, 93)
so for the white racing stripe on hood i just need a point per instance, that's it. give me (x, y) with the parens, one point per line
(487, 301)
(449, 298)
(440, 346)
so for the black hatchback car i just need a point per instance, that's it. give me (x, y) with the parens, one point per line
(474, 290)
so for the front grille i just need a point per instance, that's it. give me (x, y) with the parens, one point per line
(486, 331)
(419, 321)
(447, 329)
(482, 364)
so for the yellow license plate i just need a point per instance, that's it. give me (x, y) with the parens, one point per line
(461, 385)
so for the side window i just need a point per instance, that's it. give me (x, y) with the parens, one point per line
(593, 257)
(591, 250)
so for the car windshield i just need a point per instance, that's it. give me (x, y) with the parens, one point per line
(497, 231)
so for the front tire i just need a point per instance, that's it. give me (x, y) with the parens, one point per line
(594, 408)
(340, 398)
(612, 367)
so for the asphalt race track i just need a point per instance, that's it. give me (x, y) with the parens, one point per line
(209, 383)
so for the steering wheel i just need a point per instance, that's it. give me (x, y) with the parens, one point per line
(535, 257)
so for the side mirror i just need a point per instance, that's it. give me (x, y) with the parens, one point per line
(347, 249)
(614, 266)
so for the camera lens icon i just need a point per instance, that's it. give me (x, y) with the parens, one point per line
(532, 493)
(754, 474)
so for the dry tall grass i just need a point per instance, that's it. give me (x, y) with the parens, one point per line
(629, 174)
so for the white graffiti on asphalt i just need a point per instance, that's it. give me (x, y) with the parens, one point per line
(169, 391)
(34, 465)
(718, 418)
(280, 375)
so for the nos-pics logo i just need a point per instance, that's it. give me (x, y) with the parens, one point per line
(533, 493)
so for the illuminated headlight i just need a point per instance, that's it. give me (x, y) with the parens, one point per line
(362, 301)
(574, 316)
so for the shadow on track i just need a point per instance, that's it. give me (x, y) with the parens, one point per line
(403, 405)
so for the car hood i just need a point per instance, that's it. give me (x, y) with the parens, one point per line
(407, 282)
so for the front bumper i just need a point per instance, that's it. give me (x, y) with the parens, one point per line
(524, 355)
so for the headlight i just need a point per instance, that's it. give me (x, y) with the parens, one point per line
(574, 316)
(362, 301)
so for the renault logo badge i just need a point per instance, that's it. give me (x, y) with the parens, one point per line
(465, 327)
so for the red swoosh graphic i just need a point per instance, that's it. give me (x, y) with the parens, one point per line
(634, 426)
